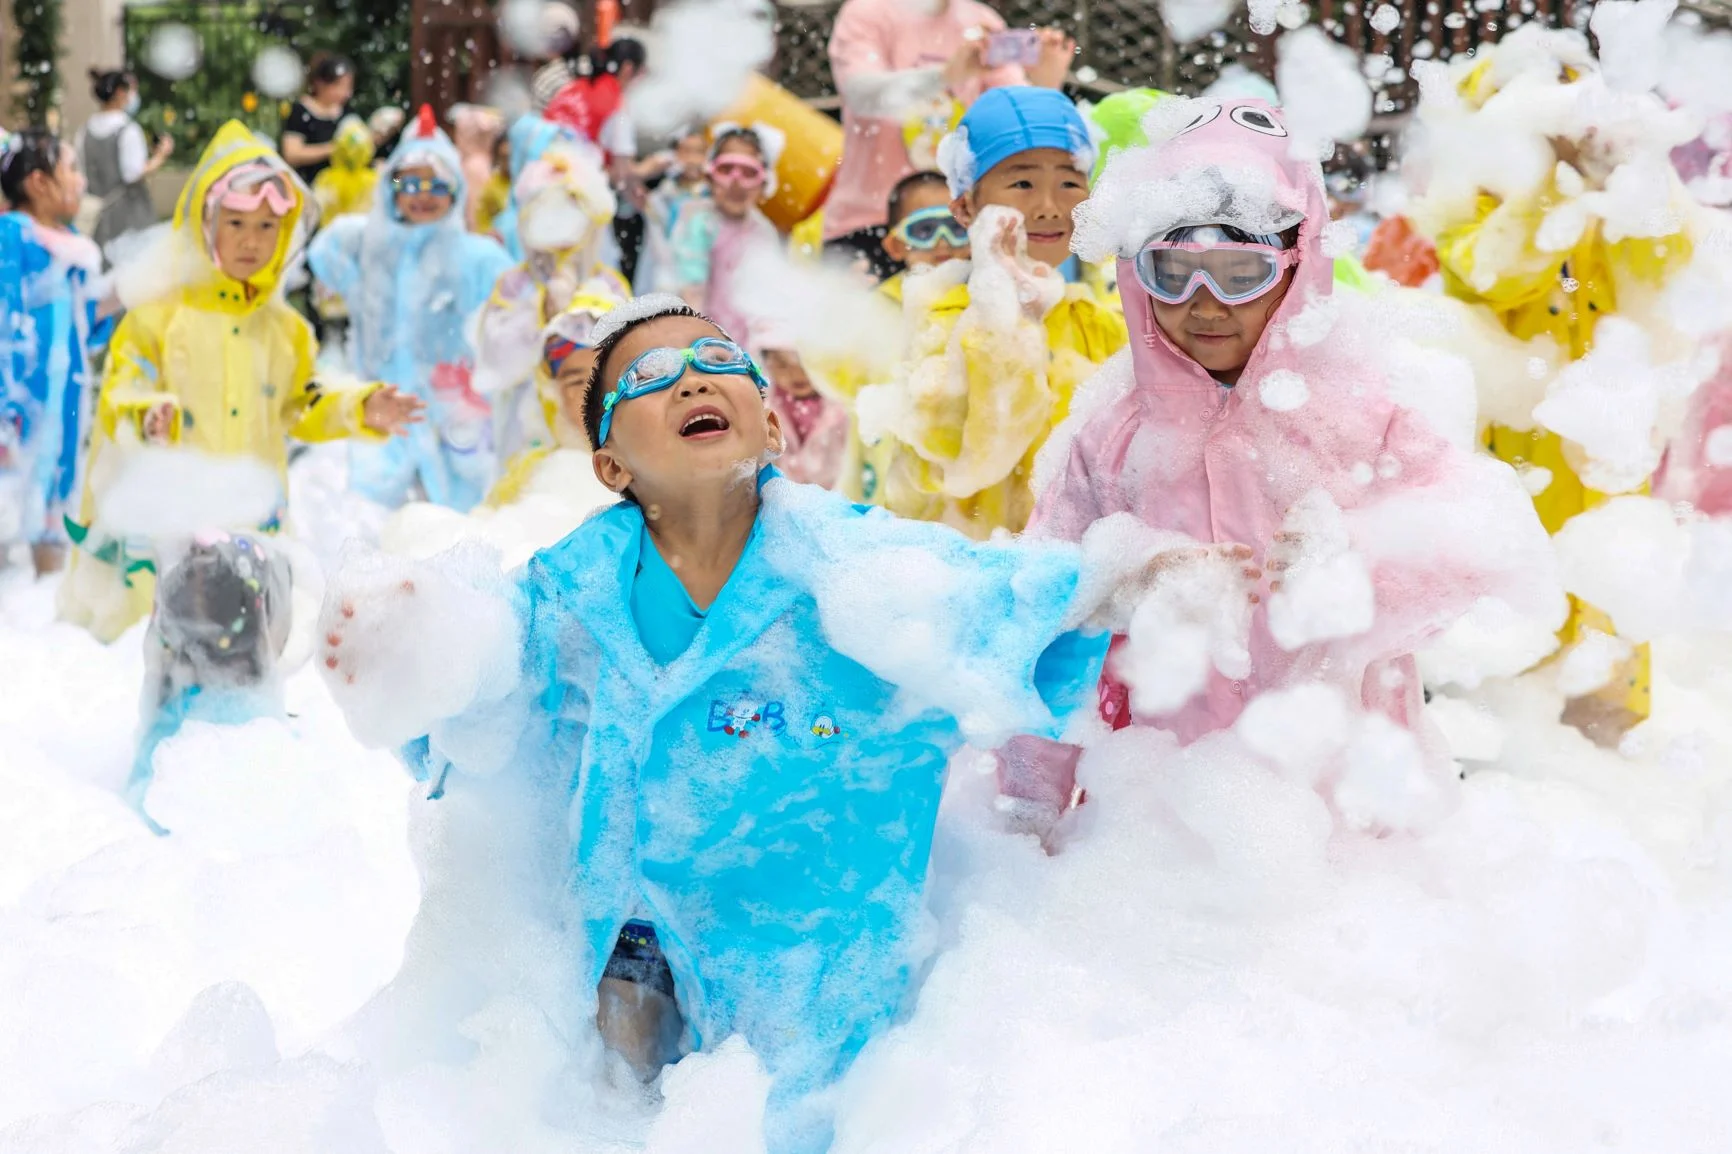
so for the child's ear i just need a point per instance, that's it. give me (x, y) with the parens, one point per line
(896, 248)
(962, 208)
(611, 471)
(778, 440)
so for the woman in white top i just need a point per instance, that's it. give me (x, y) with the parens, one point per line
(117, 160)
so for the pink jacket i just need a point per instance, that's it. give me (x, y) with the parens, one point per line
(884, 36)
(816, 433)
(1698, 465)
(1184, 453)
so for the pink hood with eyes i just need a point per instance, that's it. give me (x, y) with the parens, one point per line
(1157, 437)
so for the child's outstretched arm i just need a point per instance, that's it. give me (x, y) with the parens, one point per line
(132, 389)
(314, 411)
(409, 647)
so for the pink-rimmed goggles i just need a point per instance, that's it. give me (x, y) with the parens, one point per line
(247, 187)
(1235, 272)
(737, 170)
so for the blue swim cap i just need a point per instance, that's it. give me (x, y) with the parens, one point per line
(1007, 121)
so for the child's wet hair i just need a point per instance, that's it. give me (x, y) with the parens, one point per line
(30, 151)
(907, 186)
(599, 384)
(1289, 237)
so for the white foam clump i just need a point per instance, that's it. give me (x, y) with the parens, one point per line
(701, 56)
(165, 492)
(421, 641)
(553, 221)
(1618, 405)
(1654, 574)
(173, 52)
(1283, 391)
(1632, 41)
(802, 299)
(1197, 619)
(1698, 60)
(1324, 97)
(1191, 20)
(277, 71)
(1386, 18)
(1589, 664)
(1326, 593)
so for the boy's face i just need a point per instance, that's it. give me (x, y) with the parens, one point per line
(58, 194)
(704, 430)
(787, 372)
(691, 154)
(1220, 337)
(246, 241)
(1045, 185)
(423, 196)
(922, 196)
(736, 178)
(571, 381)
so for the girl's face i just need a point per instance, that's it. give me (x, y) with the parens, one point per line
(1220, 337)
(423, 196)
(787, 372)
(691, 153)
(246, 241)
(337, 93)
(1045, 185)
(706, 429)
(57, 196)
(737, 177)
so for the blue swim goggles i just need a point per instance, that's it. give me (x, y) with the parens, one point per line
(926, 228)
(416, 185)
(661, 368)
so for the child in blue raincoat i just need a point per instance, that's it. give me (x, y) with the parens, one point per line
(747, 700)
(414, 276)
(48, 315)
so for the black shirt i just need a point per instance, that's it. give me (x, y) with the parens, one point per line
(313, 130)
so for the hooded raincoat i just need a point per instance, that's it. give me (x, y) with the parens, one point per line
(411, 291)
(767, 800)
(348, 185)
(1159, 438)
(234, 361)
(48, 307)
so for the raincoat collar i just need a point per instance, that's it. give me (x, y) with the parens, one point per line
(1223, 141)
(234, 145)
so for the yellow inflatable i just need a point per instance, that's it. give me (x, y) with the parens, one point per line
(809, 158)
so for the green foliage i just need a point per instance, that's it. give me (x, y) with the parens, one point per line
(372, 33)
(39, 25)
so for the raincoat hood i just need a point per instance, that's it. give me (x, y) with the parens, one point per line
(530, 137)
(424, 143)
(564, 201)
(1208, 162)
(353, 147)
(233, 146)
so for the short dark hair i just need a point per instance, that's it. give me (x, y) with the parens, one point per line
(905, 187)
(625, 51)
(30, 151)
(328, 68)
(106, 83)
(728, 136)
(600, 384)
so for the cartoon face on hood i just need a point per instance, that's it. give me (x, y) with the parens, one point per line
(235, 146)
(424, 143)
(352, 148)
(564, 199)
(1207, 162)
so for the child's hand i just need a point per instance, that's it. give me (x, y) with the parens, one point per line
(390, 412)
(1286, 552)
(158, 423)
(1175, 566)
(1010, 249)
(1057, 51)
(968, 62)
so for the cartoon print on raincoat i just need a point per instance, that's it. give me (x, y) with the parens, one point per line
(787, 911)
(234, 361)
(1156, 436)
(412, 291)
(48, 306)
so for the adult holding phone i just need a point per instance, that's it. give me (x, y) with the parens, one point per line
(906, 70)
(310, 131)
(117, 160)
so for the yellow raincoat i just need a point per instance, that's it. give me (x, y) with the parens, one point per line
(1561, 295)
(346, 186)
(966, 455)
(233, 360)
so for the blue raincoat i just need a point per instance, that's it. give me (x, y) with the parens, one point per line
(52, 336)
(767, 800)
(412, 290)
(530, 138)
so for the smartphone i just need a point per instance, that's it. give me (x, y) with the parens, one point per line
(1013, 46)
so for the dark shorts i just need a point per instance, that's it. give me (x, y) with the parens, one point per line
(637, 958)
(869, 243)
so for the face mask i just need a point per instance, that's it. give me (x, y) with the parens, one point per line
(133, 103)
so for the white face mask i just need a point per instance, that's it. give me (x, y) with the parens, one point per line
(133, 103)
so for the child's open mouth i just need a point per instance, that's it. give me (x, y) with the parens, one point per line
(703, 423)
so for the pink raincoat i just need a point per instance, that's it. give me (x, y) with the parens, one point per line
(1698, 465)
(1184, 453)
(815, 432)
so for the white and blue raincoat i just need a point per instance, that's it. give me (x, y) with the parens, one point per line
(48, 317)
(767, 800)
(412, 290)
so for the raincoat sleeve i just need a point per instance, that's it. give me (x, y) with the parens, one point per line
(313, 412)
(132, 376)
(1069, 503)
(335, 255)
(507, 335)
(860, 47)
(693, 240)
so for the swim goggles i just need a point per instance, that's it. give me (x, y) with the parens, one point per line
(662, 368)
(246, 187)
(928, 228)
(1233, 271)
(416, 185)
(734, 169)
